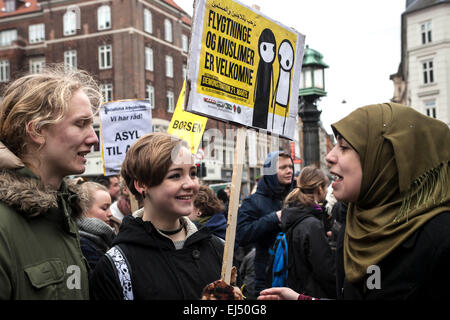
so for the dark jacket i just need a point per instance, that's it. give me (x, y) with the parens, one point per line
(217, 224)
(95, 239)
(158, 270)
(40, 256)
(258, 223)
(311, 261)
(416, 270)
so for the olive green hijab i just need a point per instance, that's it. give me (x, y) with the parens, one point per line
(405, 163)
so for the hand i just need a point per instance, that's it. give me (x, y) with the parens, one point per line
(278, 294)
(279, 215)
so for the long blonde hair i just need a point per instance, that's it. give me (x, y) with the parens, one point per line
(308, 182)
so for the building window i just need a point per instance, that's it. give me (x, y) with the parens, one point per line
(96, 146)
(104, 17)
(10, 5)
(70, 23)
(150, 95)
(107, 91)
(184, 43)
(37, 64)
(148, 59)
(70, 59)
(167, 30)
(7, 37)
(148, 24)
(4, 70)
(169, 67)
(425, 29)
(430, 108)
(105, 56)
(428, 76)
(184, 71)
(170, 101)
(36, 33)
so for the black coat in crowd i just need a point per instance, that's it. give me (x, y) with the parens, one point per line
(158, 270)
(411, 271)
(311, 261)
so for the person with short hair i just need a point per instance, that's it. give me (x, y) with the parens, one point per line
(209, 212)
(45, 133)
(167, 256)
(259, 215)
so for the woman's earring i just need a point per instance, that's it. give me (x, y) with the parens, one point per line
(143, 194)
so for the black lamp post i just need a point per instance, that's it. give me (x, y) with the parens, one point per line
(312, 88)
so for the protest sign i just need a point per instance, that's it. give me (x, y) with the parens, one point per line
(244, 67)
(122, 123)
(186, 125)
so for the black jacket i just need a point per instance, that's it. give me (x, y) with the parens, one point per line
(158, 270)
(418, 269)
(311, 261)
(257, 222)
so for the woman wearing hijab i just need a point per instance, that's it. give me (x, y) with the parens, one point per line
(392, 166)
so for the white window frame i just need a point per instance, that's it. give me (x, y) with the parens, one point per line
(36, 33)
(150, 95)
(10, 5)
(107, 91)
(148, 58)
(426, 32)
(170, 101)
(185, 43)
(37, 64)
(4, 70)
(104, 17)
(105, 57)
(7, 37)
(427, 71)
(184, 71)
(430, 108)
(70, 59)
(70, 23)
(168, 30)
(169, 66)
(148, 21)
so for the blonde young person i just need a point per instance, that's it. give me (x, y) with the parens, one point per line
(311, 261)
(392, 166)
(164, 254)
(45, 132)
(96, 235)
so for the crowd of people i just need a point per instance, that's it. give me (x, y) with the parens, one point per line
(387, 211)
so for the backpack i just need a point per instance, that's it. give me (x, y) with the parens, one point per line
(277, 267)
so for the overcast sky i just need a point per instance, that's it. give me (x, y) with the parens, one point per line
(359, 40)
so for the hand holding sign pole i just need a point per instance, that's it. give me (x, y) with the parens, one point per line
(244, 68)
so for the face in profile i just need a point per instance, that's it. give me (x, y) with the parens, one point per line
(67, 142)
(344, 163)
(100, 207)
(175, 195)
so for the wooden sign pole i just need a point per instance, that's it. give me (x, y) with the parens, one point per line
(236, 179)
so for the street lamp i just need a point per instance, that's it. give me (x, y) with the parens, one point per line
(312, 88)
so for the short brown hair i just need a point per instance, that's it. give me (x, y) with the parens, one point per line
(42, 98)
(207, 202)
(149, 159)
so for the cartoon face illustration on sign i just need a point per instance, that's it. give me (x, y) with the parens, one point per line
(286, 62)
(264, 78)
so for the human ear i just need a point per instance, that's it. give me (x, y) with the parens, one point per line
(139, 186)
(34, 133)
